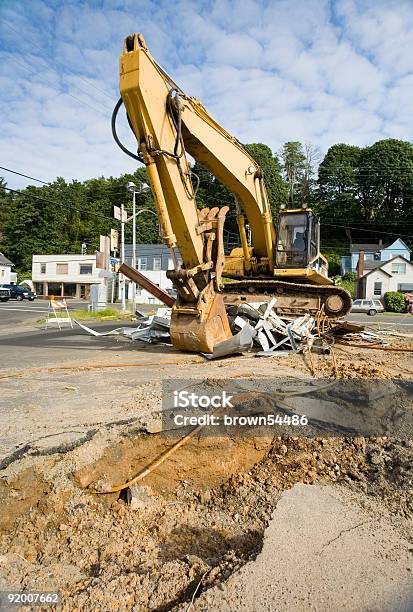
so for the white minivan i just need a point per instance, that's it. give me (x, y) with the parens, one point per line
(371, 307)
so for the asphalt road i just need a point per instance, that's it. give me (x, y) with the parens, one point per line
(25, 343)
(384, 321)
(13, 313)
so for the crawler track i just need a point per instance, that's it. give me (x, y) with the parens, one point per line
(293, 298)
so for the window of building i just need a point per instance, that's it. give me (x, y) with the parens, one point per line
(405, 287)
(398, 268)
(62, 268)
(142, 263)
(157, 263)
(377, 289)
(43, 268)
(85, 268)
(69, 289)
(54, 289)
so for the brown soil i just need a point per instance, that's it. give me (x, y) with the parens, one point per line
(201, 514)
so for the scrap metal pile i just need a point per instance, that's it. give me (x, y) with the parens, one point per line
(255, 325)
(153, 328)
(269, 332)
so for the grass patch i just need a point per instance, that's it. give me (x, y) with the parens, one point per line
(108, 314)
(394, 314)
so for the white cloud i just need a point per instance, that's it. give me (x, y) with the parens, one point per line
(308, 70)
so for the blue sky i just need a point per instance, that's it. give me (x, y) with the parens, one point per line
(319, 71)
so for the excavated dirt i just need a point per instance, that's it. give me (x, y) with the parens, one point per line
(202, 514)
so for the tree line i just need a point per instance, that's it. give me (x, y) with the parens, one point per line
(361, 193)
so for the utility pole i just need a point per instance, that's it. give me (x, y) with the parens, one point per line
(122, 256)
(134, 248)
(143, 188)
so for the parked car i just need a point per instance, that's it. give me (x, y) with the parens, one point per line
(371, 307)
(4, 294)
(17, 292)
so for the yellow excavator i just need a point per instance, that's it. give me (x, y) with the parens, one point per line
(285, 262)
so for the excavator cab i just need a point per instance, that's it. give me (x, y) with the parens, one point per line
(297, 239)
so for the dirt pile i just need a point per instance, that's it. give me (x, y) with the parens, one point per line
(194, 523)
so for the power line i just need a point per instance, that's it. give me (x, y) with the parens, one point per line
(110, 189)
(69, 206)
(367, 230)
(25, 175)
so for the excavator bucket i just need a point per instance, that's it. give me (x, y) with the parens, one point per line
(200, 330)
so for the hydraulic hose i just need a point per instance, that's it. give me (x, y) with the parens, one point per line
(115, 135)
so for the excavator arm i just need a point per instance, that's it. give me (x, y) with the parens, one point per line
(167, 124)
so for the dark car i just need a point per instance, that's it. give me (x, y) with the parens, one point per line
(17, 292)
(4, 294)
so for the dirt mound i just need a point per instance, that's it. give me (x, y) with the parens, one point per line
(190, 521)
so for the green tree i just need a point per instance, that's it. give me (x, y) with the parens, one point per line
(270, 166)
(385, 180)
(372, 184)
(338, 182)
(58, 217)
(294, 165)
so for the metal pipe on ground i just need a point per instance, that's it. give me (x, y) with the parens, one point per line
(144, 282)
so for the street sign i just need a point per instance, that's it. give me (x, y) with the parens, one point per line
(114, 239)
(117, 214)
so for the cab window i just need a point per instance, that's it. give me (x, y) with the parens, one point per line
(314, 238)
(292, 239)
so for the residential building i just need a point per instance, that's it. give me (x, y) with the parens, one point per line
(374, 254)
(153, 260)
(7, 276)
(394, 274)
(67, 275)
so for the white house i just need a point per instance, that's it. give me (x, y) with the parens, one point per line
(153, 260)
(66, 275)
(7, 277)
(394, 274)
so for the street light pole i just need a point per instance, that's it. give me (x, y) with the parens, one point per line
(143, 187)
(134, 248)
(122, 256)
